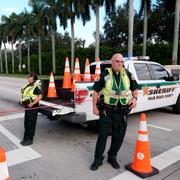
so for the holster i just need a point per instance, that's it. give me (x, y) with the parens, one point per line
(100, 103)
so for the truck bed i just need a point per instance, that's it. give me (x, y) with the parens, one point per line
(63, 104)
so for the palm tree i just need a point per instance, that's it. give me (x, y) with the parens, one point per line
(51, 14)
(176, 32)
(174, 6)
(109, 6)
(39, 24)
(130, 26)
(28, 33)
(12, 35)
(4, 20)
(145, 6)
(5, 54)
(70, 9)
(1, 38)
(1, 58)
(19, 33)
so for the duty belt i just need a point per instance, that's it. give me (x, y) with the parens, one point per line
(112, 108)
(118, 109)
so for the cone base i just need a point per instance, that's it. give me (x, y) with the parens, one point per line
(140, 174)
(53, 97)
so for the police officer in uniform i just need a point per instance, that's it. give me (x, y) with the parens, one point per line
(119, 89)
(31, 95)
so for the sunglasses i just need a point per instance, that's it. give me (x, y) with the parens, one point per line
(117, 61)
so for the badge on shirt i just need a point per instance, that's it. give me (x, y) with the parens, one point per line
(118, 92)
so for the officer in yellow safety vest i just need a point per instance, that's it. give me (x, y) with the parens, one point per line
(31, 95)
(118, 88)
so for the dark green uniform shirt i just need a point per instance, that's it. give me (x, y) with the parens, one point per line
(98, 85)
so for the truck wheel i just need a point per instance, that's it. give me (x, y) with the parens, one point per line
(176, 107)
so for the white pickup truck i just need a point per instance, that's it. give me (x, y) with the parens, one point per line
(156, 89)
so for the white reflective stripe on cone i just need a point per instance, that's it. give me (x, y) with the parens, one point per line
(3, 171)
(67, 69)
(51, 78)
(143, 137)
(77, 65)
(51, 84)
(77, 71)
(67, 63)
(143, 126)
(87, 68)
(97, 72)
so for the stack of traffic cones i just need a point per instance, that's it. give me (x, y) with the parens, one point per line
(4, 174)
(141, 165)
(77, 75)
(97, 70)
(67, 75)
(52, 88)
(87, 75)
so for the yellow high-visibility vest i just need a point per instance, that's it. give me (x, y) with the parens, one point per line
(124, 94)
(28, 92)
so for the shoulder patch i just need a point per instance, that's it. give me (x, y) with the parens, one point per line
(132, 77)
(106, 78)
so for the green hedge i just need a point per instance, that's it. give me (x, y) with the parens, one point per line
(160, 53)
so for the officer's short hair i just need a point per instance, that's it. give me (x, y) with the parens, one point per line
(34, 75)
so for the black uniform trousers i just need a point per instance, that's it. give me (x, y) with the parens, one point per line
(30, 123)
(114, 122)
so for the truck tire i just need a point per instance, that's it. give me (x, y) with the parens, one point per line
(176, 107)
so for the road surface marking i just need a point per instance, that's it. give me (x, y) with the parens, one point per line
(21, 154)
(11, 117)
(159, 127)
(160, 162)
(10, 136)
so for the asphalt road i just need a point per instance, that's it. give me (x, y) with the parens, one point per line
(64, 151)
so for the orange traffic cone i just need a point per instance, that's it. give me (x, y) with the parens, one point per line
(67, 75)
(4, 174)
(141, 165)
(87, 75)
(97, 70)
(51, 89)
(77, 75)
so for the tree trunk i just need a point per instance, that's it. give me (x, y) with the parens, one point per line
(145, 28)
(20, 58)
(5, 56)
(28, 57)
(97, 32)
(176, 34)
(12, 54)
(1, 64)
(130, 32)
(72, 44)
(53, 51)
(39, 51)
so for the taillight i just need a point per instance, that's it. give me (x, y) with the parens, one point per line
(80, 96)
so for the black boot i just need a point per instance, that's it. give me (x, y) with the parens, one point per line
(26, 142)
(95, 165)
(113, 163)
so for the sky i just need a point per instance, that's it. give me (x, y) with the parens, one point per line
(83, 32)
